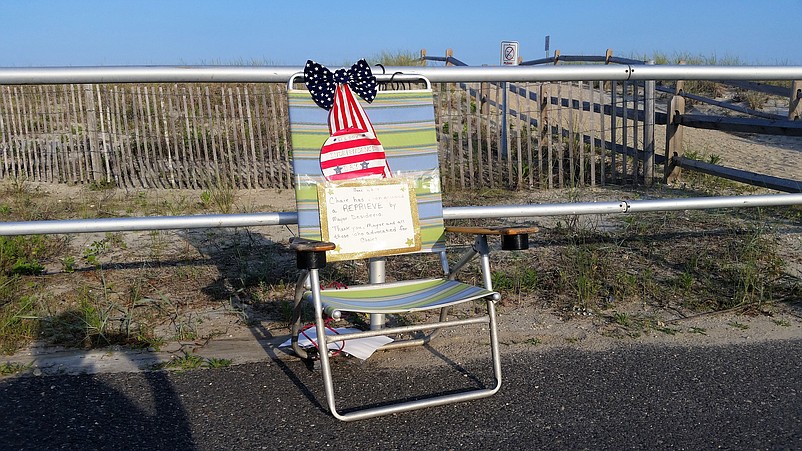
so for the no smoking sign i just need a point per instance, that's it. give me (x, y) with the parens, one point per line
(509, 53)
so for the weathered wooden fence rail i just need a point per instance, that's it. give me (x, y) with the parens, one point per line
(751, 121)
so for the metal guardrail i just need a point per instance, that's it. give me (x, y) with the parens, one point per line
(449, 213)
(281, 74)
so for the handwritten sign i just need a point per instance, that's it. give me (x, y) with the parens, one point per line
(369, 218)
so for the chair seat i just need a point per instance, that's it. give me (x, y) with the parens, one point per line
(399, 297)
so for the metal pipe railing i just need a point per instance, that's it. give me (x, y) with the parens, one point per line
(146, 223)
(449, 213)
(281, 74)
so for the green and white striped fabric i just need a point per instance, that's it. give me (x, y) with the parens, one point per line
(410, 296)
(404, 123)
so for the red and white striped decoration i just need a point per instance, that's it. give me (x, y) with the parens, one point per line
(352, 151)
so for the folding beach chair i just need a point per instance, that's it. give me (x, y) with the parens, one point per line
(389, 213)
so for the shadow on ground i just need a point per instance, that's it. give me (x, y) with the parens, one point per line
(83, 412)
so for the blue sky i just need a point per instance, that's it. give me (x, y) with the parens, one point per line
(146, 32)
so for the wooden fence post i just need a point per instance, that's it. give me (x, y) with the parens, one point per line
(544, 140)
(676, 107)
(469, 135)
(5, 139)
(795, 106)
(91, 125)
(105, 144)
(648, 130)
(613, 130)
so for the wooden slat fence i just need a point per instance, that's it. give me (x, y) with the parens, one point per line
(146, 136)
(235, 135)
(563, 134)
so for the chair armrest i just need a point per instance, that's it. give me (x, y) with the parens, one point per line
(310, 254)
(512, 238)
(303, 245)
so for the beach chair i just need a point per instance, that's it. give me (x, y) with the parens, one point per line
(376, 217)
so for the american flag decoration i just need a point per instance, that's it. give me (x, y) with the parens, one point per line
(353, 150)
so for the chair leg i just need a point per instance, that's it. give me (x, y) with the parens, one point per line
(328, 381)
(494, 348)
(295, 321)
(421, 403)
(406, 406)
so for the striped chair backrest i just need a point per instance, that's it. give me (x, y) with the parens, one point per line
(404, 123)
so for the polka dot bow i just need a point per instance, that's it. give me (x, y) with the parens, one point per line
(322, 83)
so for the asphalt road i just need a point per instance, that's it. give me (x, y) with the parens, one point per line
(736, 397)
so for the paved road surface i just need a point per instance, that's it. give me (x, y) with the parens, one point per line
(737, 397)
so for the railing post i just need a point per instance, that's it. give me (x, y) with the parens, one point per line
(648, 131)
(795, 106)
(676, 107)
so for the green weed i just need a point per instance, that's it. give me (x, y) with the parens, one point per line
(10, 368)
(206, 199)
(684, 281)
(22, 254)
(185, 362)
(214, 362)
(95, 319)
(635, 325)
(68, 264)
(397, 58)
(149, 341)
(754, 267)
(622, 319)
(518, 279)
(580, 274)
(18, 318)
(738, 325)
(222, 197)
(191, 361)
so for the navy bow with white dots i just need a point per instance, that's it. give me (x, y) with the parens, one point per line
(322, 83)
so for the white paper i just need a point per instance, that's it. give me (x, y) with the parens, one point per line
(381, 217)
(361, 348)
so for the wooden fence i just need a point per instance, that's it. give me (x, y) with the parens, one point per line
(558, 135)
(549, 135)
(545, 135)
(750, 121)
(146, 136)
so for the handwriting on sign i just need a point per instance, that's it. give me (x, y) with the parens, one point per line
(368, 219)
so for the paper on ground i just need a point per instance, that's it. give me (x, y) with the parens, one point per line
(361, 348)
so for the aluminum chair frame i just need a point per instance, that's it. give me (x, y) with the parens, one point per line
(481, 249)
(311, 258)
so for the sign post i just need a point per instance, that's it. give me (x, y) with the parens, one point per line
(509, 57)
